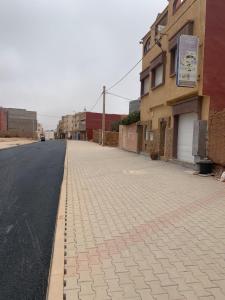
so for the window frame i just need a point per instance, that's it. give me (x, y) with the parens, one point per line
(177, 6)
(156, 63)
(145, 48)
(153, 83)
(143, 94)
(173, 61)
(143, 75)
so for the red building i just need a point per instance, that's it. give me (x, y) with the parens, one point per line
(86, 122)
(3, 120)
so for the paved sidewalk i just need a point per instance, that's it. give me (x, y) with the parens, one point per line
(141, 229)
(6, 143)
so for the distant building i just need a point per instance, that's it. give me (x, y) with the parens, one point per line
(80, 126)
(49, 134)
(134, 106)
(65, 127)
(85, 122)
(59, 130)
(3, 120)
(40, 130)
(22, 122)
(18, 122)
(68, 126)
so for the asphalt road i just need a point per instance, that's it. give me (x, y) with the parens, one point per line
(30, 181)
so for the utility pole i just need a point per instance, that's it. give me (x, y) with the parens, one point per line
(103, 116)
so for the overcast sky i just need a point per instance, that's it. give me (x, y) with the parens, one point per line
(55, 55)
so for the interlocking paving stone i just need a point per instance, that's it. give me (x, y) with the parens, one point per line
(141, 229)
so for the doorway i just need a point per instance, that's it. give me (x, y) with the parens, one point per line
(162, 139)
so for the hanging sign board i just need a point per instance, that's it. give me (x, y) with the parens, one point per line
(187, 66)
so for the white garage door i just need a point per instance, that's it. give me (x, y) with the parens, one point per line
(185, 137)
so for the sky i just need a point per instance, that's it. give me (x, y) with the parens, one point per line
(56, 55)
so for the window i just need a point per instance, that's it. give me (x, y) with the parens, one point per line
(147, 45)
(161, 24)
(147, 134)
(145, 86)
(177, 4)
(158, 76)
(157, 67)
(173, 60)
(187, 29)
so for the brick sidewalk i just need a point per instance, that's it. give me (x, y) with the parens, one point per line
(141, 229)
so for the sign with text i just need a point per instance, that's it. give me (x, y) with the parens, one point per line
(187, 66)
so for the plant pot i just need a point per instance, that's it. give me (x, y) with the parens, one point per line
(154, 156)
(205, 166)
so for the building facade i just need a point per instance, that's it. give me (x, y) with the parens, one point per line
(16, 122)
(59, 130)
(79, 126)
(3, 120)
(68, 126)
(49, 135)
(65, 127)
(40, 130)
(181, 122)
(21, 122)
(85, 122)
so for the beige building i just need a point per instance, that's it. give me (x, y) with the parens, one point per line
(21, 123)
(49, 135)
(65, 127)
(79, 126)
(40, 130)
(59, 130)
(68, 125)
(174, 119)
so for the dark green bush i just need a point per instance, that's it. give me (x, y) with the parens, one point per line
(131, 118)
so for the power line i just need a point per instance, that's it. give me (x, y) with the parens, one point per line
(124, 76)
(121, 97)
(110, 88)
(96, 102)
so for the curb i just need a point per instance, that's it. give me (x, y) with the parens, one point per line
(56, 273)
(17, 146)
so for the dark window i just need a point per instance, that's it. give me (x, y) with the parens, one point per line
(173, 60)
(177, 4)
(158, 76)
(147, 45)
(187, 29)
(145, 86)
(157, 67)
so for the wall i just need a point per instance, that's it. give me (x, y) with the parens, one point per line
(214, 59)
(190, 10)
(128, 138)
(3, 120)
(214, 78)
(111, 138)
(11, 134)
(158, 104)
(97, 134)
(216, 146)
(94, 121)
(21, 122)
